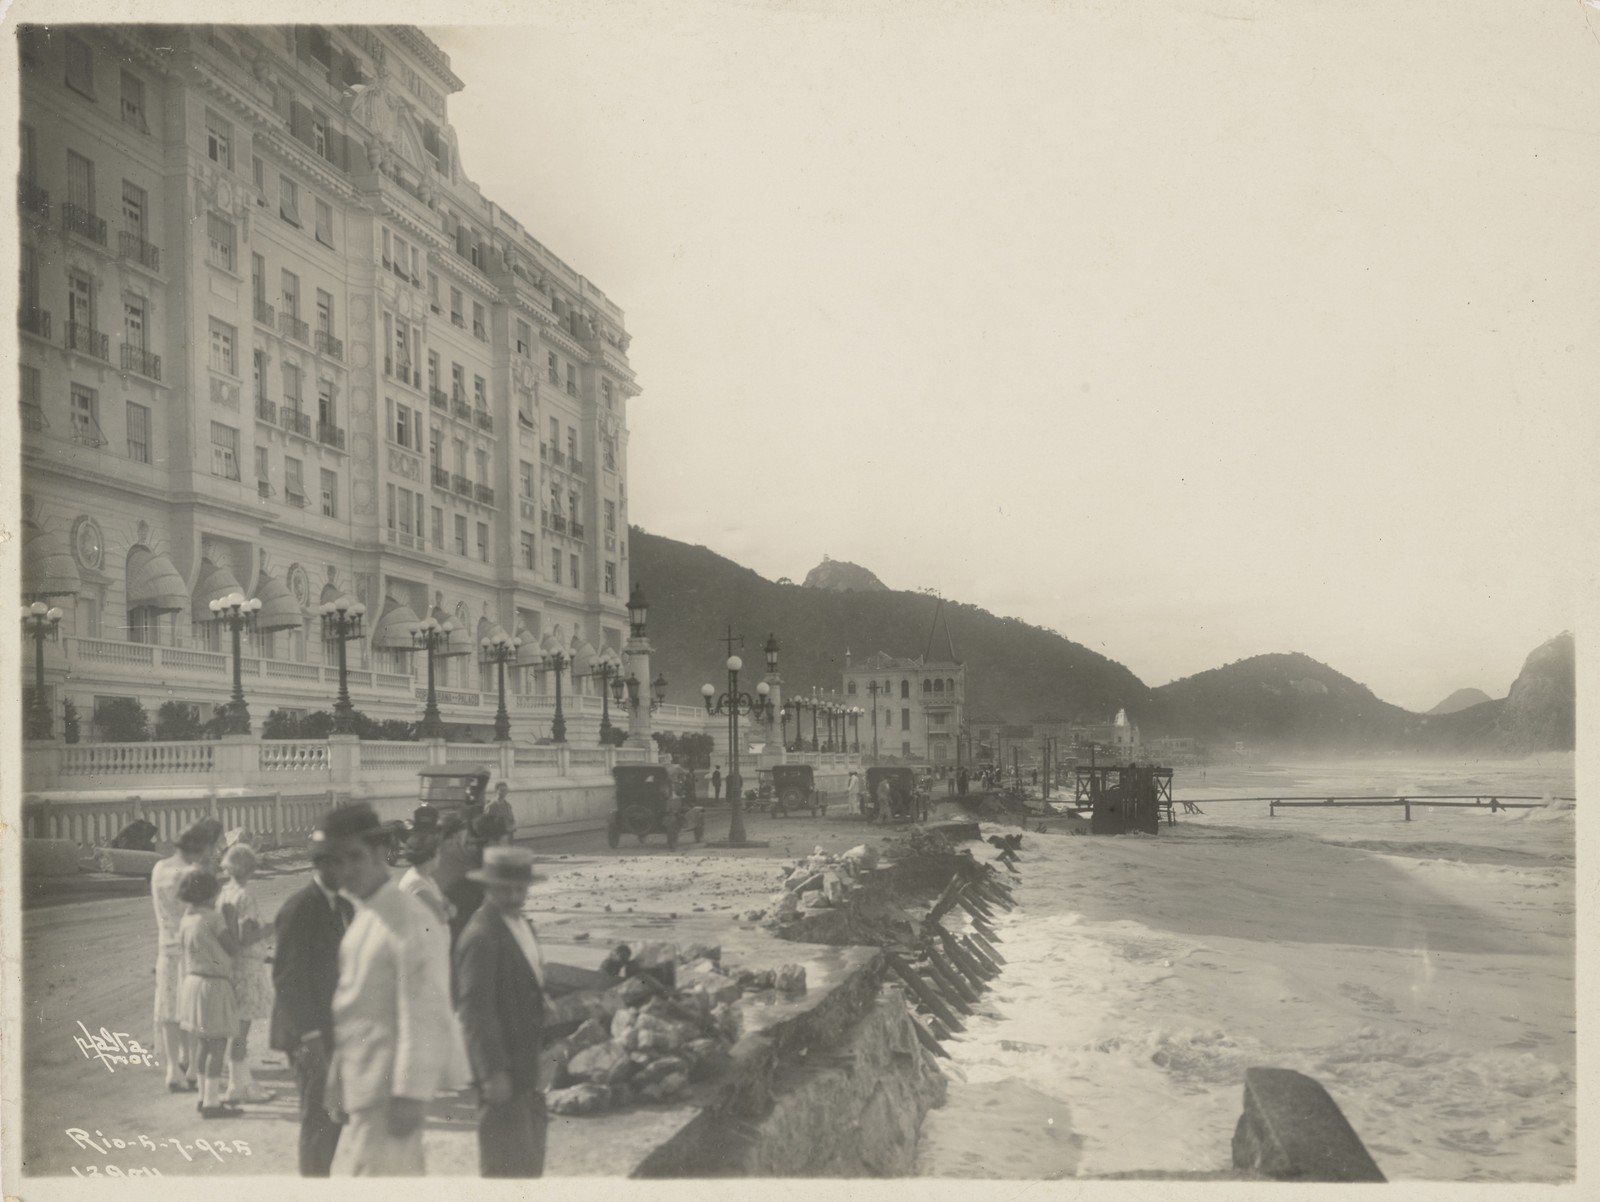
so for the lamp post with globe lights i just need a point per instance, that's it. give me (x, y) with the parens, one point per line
(608, 671)
(40, 622)
(733, 703)
(500, 650)
(556, 660)
(237, 613)
(342, 620)
(431, 636)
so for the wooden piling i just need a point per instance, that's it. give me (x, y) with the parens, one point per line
(988, 947)
(946, 982)
(925, 995)
(962, 960)
(926, 1038)
(977, 953)
(970, 987)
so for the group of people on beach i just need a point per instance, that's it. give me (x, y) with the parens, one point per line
(385, 995)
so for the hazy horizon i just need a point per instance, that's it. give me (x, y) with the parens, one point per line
(1192, 332)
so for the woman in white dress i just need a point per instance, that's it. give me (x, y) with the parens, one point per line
(197, 848)
(252, 975)
(422, 853)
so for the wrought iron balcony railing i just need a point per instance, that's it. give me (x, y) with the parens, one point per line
(137, 359)
(135, 247)
(88, 340)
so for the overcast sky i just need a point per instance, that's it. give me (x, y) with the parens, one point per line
(1192, 330)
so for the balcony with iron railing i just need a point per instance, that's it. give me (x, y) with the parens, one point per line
(544, 519)
(266, 411)
(136, 249)
(402, 371)
(327, 344)
(264, 489)
(457, 320)
(485, 420)
(87, 340)
(33, 320)
(297, 499)
(330, 435)
(439, 398)
(33, 418)
(294, 421)
(575, 466)
(441, 478)
(34, 200)
(461, 485)
(293, 327)
(461, 410)
(577, 528)
(558, 523)
(484, 494)
(77, 220)
(137, 359)
(544, 451)
(558, 458)
(266, 314)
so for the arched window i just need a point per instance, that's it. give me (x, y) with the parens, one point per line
(950, 685)
(850, 688)
(938, 686)
(927, 685)
(905, 688)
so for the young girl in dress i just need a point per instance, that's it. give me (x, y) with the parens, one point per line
(205, 998)
(252, 975)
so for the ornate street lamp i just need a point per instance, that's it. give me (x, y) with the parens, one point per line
(638, 610)
(733, 703)
(432, 636)
(342, 621)
(855, 729)
(237, 613)
(500, 651)
(608, 671)
(658, 691)
(556, 660)
(41, 622)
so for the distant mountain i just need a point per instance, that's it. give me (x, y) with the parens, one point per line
(1461, 699)
(1015, 672)
(1540, 712)
(842, 576)
(1288, 702)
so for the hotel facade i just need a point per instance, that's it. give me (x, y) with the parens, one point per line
(273, 341)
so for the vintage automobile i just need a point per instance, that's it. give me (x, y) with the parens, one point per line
(792, 787)
(454, 791)
(649, 803)
(892, 795)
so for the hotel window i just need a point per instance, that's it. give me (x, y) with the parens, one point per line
(572, 443)
(258, 175)
(133, 322)
(224, 451)
(324, 312)
(572, 562)
(330, 494)
(433, 371)
(611, 517)
(133, 208)
(133, 102)
(219, 140)
(905, 719)
(527, 550)
(461, 535)
(324, 222)
(258, 375)
(608, 448)
(291, 387)
(262, 473)
(479, 329)
(433, 292)
(555, 564)
(572, 380)
(555, 435)
(288, 200)
(327, 411)
(219, 234)
(86, 416)
(483, 541)
(572, 505)
(611, 578)
(482, 458)
(524, 479)
(436, 447)
(455, 307)
(319, 134)
(291, 294)
(222, 348)
(458, 382)
(550, 367)
(461, 457)
(294, 485)
(80, 66)
(524, 338)
(480, 392)
(438, 527)
(905, 688)
(80, 182)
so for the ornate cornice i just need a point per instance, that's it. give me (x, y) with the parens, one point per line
(198, 72)
(424, 47)
(558, 337)
(454, 265)
(288, 150)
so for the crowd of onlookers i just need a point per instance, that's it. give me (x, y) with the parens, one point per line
(384, 994)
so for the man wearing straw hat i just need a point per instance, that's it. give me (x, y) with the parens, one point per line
(500, 1000)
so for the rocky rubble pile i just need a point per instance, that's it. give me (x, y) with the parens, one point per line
(816, 882)
(645, 1041)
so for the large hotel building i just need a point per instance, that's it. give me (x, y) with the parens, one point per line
(273, 341)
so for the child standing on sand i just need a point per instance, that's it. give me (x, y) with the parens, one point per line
(205, 998)
(252, 975)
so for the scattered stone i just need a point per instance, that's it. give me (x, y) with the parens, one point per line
(597, 1064)
(792, 978)
(591, 1032)
(581, 1099)
(816, 900)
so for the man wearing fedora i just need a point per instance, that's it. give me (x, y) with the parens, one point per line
(305, 972)
(500, 999)
(389, 1008)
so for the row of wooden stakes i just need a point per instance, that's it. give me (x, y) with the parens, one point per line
(947, 973)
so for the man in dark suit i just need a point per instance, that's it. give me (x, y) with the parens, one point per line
(500, 999)
(305, 972)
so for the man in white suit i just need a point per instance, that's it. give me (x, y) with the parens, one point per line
(389, 1008)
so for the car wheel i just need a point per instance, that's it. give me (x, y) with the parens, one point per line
(638, 820)
(613, 831)
(792, 799)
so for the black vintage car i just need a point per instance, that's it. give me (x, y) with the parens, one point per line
(792, 787)
(454, 792)
(649, 802)
(892, 795)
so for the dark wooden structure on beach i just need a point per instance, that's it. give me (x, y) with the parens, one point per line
(1123, 798)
